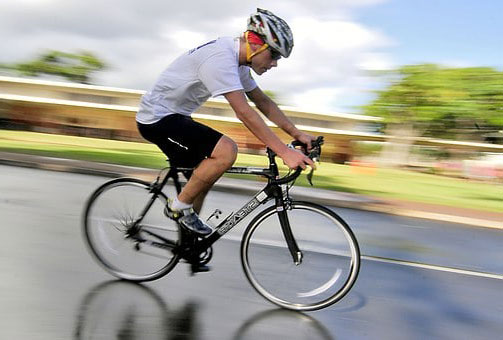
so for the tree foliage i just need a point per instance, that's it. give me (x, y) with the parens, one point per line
(442, 102)
(72, 66)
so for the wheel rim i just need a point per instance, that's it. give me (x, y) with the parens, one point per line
(330, 264)
(109, 213)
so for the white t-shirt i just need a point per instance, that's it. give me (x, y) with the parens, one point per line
(209, 70)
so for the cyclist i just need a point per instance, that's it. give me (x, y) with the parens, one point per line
(219, 67)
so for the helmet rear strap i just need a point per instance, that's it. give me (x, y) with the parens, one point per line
(249, 53)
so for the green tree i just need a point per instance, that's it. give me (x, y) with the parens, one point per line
(74, 67)
(442, 102)
(431, 101)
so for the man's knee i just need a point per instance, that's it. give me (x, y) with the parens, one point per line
(226, 150)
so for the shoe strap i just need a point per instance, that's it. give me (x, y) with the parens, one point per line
(186, 212)
(181, 212)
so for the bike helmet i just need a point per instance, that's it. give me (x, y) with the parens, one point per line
(274, 30)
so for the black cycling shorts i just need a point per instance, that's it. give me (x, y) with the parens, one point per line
(185, 141)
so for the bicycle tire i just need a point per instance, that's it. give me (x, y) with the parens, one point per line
(106, 216)
(331, 257)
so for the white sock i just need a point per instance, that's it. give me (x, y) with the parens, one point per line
(179, 205)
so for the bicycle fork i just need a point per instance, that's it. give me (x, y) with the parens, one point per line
(287, 232)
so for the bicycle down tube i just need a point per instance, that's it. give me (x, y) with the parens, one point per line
(272, 190)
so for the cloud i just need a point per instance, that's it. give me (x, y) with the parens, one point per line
(138, 39)
(330, 63)
(185, 39)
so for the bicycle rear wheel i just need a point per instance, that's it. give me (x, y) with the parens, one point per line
(130, 251)
(330, 264)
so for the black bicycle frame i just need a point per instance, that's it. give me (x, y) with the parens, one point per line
(271, 190)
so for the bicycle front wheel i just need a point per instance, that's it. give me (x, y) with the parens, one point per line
(132, 251)
(330, 257)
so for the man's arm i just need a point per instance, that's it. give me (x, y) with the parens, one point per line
(258, 127)
(271, 110)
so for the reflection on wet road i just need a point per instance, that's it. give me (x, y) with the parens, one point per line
(123, 310)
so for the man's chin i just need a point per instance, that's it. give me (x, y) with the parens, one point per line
(259, 71)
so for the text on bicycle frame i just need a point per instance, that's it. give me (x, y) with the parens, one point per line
(230, 222)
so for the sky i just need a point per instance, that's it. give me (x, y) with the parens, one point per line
(338, 43)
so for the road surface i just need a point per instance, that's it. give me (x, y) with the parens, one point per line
(419, 279)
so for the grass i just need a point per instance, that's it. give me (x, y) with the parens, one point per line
(380, 183)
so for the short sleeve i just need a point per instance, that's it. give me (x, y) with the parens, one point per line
(220, 74)
(246, 78)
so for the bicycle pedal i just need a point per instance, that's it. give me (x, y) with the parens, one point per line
(199, 268)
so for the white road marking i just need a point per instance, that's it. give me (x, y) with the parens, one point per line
(433, 267)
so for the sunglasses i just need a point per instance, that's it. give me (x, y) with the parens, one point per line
(275, 55)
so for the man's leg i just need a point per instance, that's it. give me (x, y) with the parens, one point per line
(198, 202)
(208, 172)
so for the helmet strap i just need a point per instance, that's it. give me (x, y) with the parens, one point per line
(249, 53)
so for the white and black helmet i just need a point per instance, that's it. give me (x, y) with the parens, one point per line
(274, 30)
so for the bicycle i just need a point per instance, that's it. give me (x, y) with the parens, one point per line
(307, 262)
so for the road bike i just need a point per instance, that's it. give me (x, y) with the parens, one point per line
(297, 254)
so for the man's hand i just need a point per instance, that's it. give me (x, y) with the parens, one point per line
(294, 158)
(306, 139)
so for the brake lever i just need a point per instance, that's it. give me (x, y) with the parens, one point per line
(314, 154)
(315, 157)
(310, 177)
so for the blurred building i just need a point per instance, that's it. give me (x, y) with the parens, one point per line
(105, 112)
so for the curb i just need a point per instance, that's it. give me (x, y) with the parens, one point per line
(320, 196)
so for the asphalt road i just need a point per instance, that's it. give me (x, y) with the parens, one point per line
(419, 279)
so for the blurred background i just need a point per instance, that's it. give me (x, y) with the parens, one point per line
(392, 85)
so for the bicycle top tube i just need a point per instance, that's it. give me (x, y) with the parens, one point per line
(272, 172)
(246, 170)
